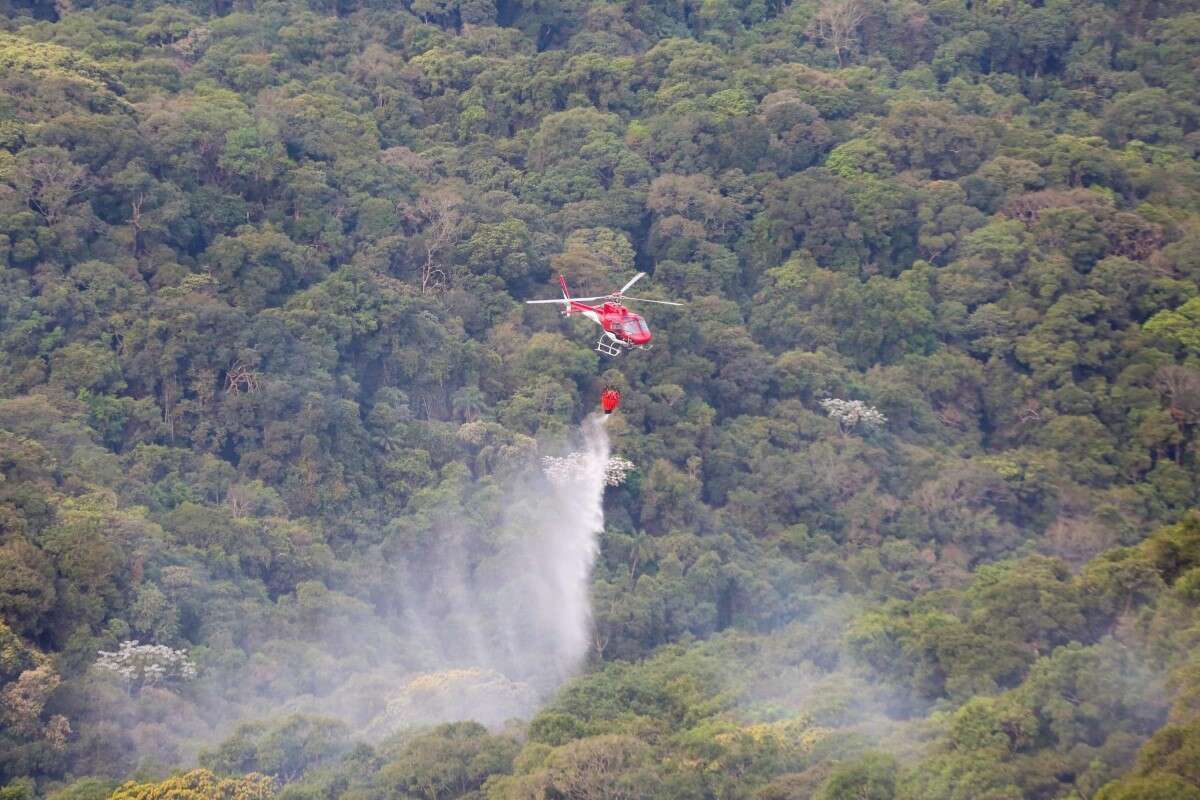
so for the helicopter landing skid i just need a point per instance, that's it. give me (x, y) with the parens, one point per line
(609, 345)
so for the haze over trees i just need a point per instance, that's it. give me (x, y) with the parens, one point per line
(262, 267)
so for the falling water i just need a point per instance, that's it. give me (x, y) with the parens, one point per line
(486, 610)
(567, 545)
(504, 614)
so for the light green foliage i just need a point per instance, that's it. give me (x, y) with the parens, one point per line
(199, 784)
(1180, 326)
(42, 62)
(1157, 787)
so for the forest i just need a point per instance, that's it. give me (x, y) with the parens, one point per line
(263, 341)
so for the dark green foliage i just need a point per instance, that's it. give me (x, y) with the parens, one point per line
(449, 761)
(286, 750)
(871, 777)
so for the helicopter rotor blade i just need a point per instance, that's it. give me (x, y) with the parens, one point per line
(632, 281)
(660, 302)
(570, 299)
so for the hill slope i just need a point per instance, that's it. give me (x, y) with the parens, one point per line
(262, 268)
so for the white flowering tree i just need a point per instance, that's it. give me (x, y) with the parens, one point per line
(137, 665)
(851, 414)
(572, 467)
(617, 470)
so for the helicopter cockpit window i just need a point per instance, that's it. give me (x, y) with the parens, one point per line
(634, 326)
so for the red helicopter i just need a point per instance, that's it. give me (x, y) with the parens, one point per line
(622, 327)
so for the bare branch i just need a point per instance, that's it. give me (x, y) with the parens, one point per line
(836, 24)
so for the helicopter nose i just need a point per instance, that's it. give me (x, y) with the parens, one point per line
(641, 338)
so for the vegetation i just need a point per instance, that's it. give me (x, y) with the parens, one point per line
(917, 468)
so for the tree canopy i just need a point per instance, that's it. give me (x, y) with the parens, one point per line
(915, 506)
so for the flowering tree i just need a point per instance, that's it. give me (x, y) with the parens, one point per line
(139, 665)
(617, 470)
(572, 467)
(851, 414)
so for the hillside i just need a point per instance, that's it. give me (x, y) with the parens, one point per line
(272, 405)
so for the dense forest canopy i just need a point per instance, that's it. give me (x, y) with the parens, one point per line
(262, 266)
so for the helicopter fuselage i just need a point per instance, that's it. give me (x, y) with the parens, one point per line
(616, 320)
(622, 327)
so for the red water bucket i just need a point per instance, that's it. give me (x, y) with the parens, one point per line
(610, 399)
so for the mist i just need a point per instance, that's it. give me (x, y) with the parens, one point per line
(504, 613)
(479, 609)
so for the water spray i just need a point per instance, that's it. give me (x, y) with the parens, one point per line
(508, 628)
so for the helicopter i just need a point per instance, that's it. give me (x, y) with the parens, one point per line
(622, 327)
